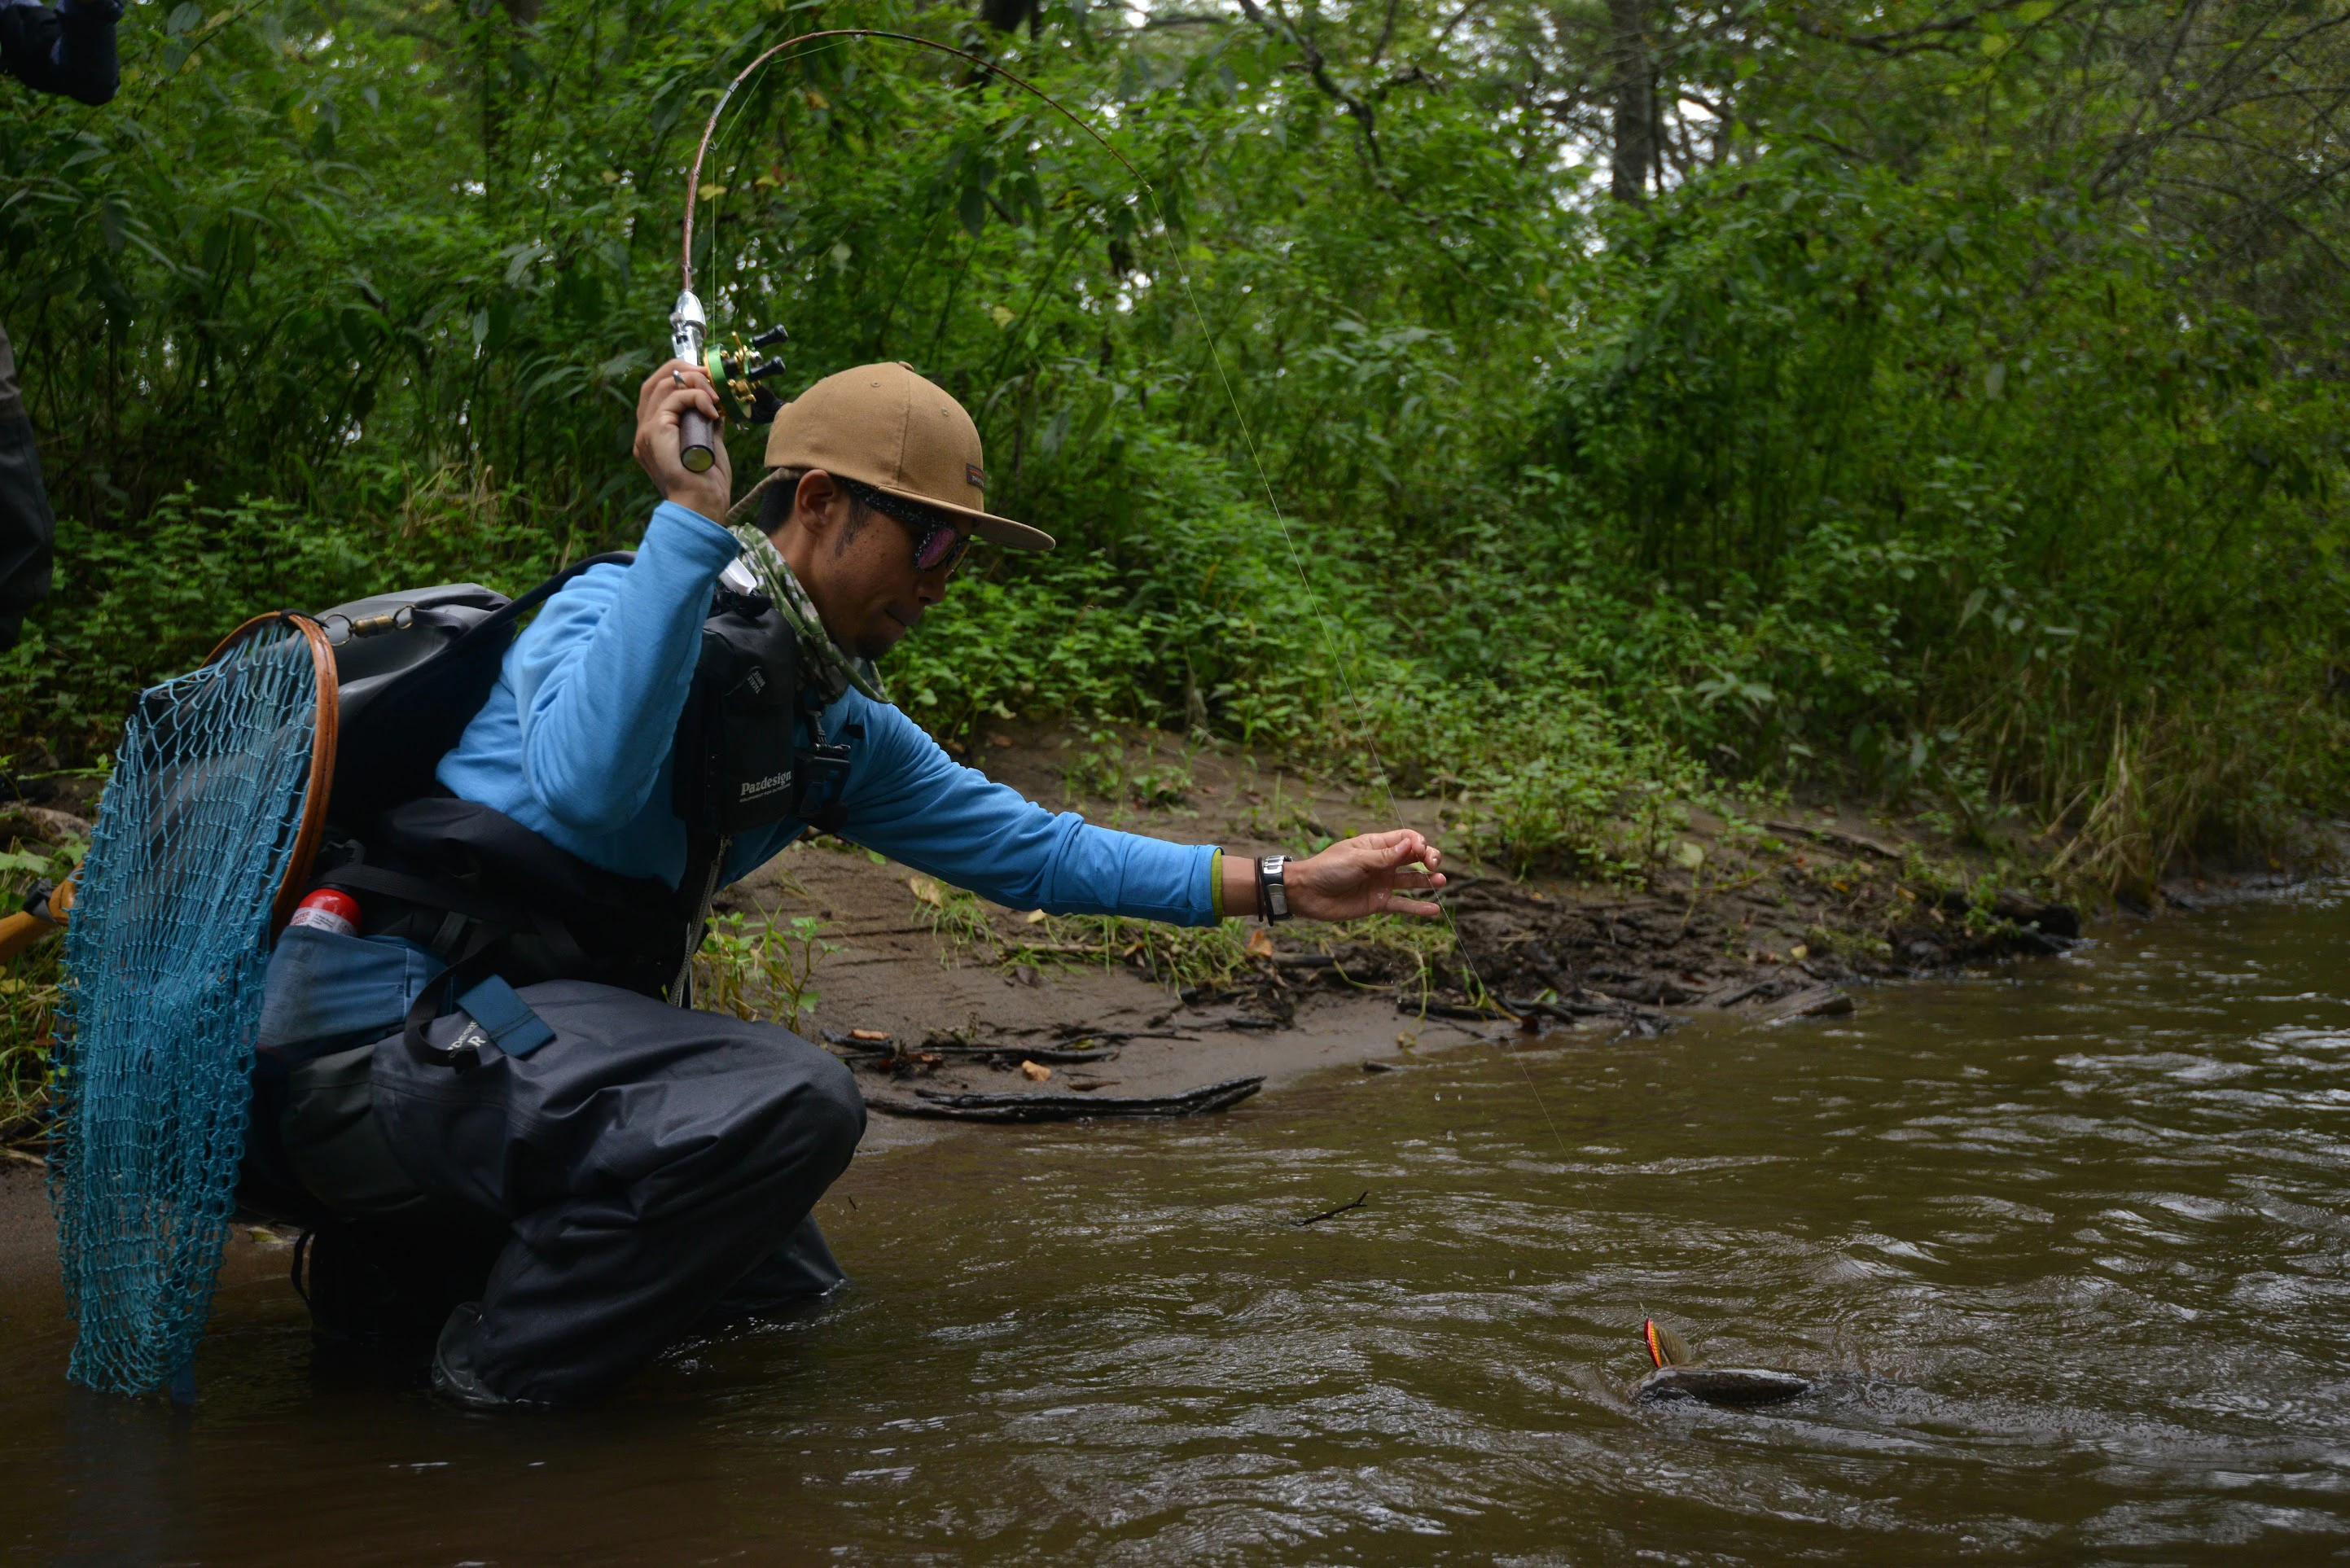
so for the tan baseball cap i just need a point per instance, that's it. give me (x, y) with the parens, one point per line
(885, 426)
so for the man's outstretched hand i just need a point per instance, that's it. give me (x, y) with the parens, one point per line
(1355, 877)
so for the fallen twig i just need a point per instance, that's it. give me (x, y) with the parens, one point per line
(1113, 1036)
(1837, 837)
(969, 1050)
(1565, 1012)
(975, 1107)
(1333, 1213)
(1449, 1010)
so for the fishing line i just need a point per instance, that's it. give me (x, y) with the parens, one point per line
(1223, 379)
(1329, 640)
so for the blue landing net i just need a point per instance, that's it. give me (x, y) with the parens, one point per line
(166, 956)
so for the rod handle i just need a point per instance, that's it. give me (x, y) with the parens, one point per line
(697, 441)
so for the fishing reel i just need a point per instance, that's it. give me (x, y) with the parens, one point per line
(732, 372)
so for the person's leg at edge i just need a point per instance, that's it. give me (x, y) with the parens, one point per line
(27, 527)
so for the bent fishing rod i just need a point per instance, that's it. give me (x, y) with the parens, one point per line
(690, 324)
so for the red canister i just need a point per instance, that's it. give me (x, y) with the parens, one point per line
(329, 909)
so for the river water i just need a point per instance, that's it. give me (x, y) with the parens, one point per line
(2065, 1246)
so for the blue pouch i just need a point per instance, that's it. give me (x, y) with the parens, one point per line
(326, 988)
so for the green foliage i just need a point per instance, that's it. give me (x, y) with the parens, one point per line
(1171, 956)
(133, 605)
(1915, 437)
(1909, 497)
(1543, 771)
(762, 971)
(31, 992)
(32, 988)
(956, 917)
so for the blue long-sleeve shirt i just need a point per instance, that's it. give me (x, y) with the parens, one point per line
(575, 742)
(67, 50)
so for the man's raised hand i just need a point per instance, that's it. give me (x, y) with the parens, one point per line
(667, 393)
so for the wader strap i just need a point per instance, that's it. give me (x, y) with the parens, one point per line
(426, 891)
(705, 861)
(824, 773)
(471, 968)
(507, 919)
(499, 1017)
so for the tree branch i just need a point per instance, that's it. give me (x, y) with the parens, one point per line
(1912, 40)
(1365, 118)
(2272, 208)
(1386, 36)
(1445, 33)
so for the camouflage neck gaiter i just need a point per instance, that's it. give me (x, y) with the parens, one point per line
(824, 663)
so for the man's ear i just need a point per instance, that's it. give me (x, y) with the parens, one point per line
(818, 504)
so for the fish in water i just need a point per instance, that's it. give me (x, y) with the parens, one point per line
(1680, 1375)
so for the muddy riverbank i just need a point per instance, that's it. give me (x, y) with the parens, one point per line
(1770, 909)
(1779, 911)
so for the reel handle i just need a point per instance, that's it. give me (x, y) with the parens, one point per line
(697, 441)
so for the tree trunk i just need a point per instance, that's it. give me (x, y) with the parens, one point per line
(1632, 86)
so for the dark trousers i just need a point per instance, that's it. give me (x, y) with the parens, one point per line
(27, 529)
(656, 1167)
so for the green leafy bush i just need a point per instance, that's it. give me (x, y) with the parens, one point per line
(1898, 455)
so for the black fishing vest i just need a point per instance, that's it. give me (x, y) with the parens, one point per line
(749, 750)
(489, 895)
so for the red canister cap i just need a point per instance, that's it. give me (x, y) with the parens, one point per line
(329, 909)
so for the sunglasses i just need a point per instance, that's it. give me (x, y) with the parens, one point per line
(936, 544)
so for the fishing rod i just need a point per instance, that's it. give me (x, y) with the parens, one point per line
(690, 324)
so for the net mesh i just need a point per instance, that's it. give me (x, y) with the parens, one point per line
(164, 963)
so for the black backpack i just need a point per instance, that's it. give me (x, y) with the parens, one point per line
(412, 666)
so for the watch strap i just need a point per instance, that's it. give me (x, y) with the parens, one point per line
(1272, 890)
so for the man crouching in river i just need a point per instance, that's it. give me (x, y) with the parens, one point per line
(626, 1169)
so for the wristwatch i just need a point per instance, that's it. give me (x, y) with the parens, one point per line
(1271, 893)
